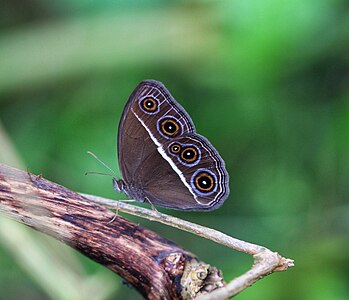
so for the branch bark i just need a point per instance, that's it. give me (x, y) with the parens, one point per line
(156, 267)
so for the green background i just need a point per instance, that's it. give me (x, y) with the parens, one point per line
(265, 81)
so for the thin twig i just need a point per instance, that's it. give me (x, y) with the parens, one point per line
(265, 260)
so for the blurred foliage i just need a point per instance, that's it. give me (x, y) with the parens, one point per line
(265, 81)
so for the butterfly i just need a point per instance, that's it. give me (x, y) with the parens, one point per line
(161, 157)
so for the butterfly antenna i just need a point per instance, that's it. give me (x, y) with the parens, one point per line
(101, 162)
(99, 173)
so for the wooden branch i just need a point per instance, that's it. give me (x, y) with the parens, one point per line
(155, 266)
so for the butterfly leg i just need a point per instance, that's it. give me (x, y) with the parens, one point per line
(117, 208)
(115, 215)
(151, 205)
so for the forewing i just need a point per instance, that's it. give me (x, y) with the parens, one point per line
(140, 129)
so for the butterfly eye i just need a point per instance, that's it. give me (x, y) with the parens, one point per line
(149, 105)
(204, 182)
(189, 154)
(175, 148)
(169, 127)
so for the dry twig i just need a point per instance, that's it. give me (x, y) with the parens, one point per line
(265, 260)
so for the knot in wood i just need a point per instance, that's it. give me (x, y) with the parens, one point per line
(174, 264)
(200, 278)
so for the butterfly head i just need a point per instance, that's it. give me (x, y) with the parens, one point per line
(119, 185)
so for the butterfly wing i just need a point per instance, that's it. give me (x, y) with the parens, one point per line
(162, 186)
(138, 133)
(152, 127)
